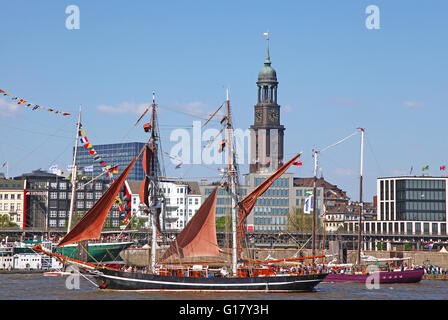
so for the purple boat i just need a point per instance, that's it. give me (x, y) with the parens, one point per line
(406, 276)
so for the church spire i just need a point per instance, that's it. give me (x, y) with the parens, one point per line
(268, 59)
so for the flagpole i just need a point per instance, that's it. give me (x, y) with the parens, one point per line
(314, 204)
(74, 174)
(360, 196)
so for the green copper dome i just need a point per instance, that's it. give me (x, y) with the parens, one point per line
(267, 73)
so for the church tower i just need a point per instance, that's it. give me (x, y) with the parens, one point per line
(266, 132)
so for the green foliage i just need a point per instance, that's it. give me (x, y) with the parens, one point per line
(299, 221)
(224, 223)
(5, 221)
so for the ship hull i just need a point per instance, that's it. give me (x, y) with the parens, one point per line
(407, 276)
(106, 253)
(120, 280)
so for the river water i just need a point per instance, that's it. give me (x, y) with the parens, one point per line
(39, 287)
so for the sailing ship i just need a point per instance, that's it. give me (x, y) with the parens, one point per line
(98, 252)
(361, 272)
(178, 268)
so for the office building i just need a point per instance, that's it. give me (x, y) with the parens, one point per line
(116, 154)
(410, 205)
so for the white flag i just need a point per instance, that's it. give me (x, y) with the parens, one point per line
(308, 205)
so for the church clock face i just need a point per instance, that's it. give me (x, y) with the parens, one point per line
(258, 116)
(273, 115)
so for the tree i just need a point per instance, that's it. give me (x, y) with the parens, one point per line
(224, 223)
(299, 221)
(5, 221)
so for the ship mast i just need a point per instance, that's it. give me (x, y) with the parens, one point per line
(360, 197)
(74, 174)
(232, 182)
(154, 185)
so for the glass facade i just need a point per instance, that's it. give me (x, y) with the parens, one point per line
(118, 154)
(420, 200)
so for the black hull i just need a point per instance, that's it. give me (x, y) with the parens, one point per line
(120, 280)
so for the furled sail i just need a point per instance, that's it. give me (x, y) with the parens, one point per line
(144, 186)
(198, 238)
(246, 205)
(89, 227)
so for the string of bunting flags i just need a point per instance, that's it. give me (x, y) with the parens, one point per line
(32, 105)
(110, 172)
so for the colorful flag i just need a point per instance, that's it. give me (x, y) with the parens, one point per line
(429, 245)
(1, 91)
(84, 140)
(82, 132)
(179, 165)
(298, 163)
(222, 145)
(88, 146)
(5, 164)
(21, 101)
(114, 169)
(103, 163)
(425, 168)
(92, 152)
(442, 167)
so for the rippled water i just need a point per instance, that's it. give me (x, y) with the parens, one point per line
(38, 287)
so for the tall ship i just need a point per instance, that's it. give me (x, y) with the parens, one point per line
(193, 262)
(368, 269)
(98, 251)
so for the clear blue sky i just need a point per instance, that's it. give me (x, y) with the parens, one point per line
(334, 76)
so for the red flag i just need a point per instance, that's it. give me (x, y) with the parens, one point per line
(442, 167)
(297, 163)
(21, 101)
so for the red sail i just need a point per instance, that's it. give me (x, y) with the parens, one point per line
(144, 187)
(198, 239)
(89, 227)
(247, 204)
